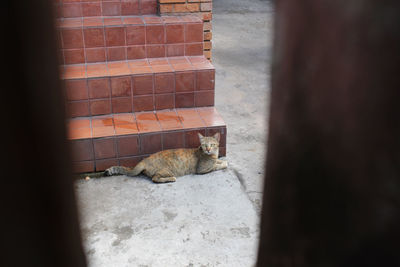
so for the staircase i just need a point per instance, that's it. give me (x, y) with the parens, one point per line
(135, 83)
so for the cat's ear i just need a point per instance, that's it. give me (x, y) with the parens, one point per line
(217, 136)
(201, 137)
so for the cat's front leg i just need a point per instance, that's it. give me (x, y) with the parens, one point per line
(221, 164)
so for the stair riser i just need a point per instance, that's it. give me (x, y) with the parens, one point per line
(144, 92)
(73, 9)
(97, 154)
(129, 42)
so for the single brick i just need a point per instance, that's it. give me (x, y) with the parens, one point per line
(166, 8)
(207, 35)
(207, 26)
(207, 54)
(206, 16)
(206, 6)
(207, 45)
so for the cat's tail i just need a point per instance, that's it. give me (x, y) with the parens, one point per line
(120, 170)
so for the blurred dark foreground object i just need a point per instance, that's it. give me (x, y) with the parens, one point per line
(39, 223)
(332, 188)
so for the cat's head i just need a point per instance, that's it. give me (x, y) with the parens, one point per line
(210, 144)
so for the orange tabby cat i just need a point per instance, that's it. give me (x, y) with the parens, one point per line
(165, 166)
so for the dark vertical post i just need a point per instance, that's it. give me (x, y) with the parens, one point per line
(332, 187)
(39, 221)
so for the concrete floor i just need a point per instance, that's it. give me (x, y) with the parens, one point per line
(201, 220)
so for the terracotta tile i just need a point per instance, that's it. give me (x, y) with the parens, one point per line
(147, 122)
(178, 60)
(169, 120)
(184, 100)
(183, 67)
(121, 86)
(99, 88)
(111, 8)
(121, 104)
(148, 7)
(161, 68)
(165, 101)
(71, 23)
(92, 22)
(139, 63)
(112, 21)
(91, 9)
(130, 161)
(174, 33)
(74, 56)
(133, 21)
(197, 59)
(95, 55)
(97, 70)
(205, 80)
(173, 140)
(94, 37)
(152, 19)
(118, 68)
(192, 138)
(141, 70)
(124, 118)
(78, 109)
(83, 166)
(143, 103)
(193, 49)
(158, 61)
(104, 148)
(72, 38)
(100, 107)
(190, 118)
(221, 131)
(193, 32)
(115, 36)
(211, 117)
(129, 7)
(155, 51)
(76, 89)
(125, 129)
(142, 84)
(81, 150)
(104, 131)
(79, 133)
(104, 164)
(203, 66)
(150, 143)
(171, 19)
(135, 35)
(190, 19)
(164, 83)
(102, 121)
(116, 53)
(184, 81)
(128, 145)
(70, 10)
(174, 50)
(204, 98)
(136, 52)
(75, 72)
(78, 123)
(155, 34)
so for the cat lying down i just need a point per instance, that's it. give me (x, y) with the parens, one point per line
(165, 166)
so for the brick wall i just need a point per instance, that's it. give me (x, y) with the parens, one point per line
(202, 8)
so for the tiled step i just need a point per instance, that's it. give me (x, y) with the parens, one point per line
(102, 39)
(124, 139)
(90, 8)
(138, 85)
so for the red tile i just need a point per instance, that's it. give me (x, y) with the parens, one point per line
(104, 164)
(78, 109)
(126, 118)
(205, 80)
(104, 131)
(129, 7)
(178, 60)
(74, 72)
(136, 52)
(126, 129)
(91, 9)
(184, 100)
(174, 50)
(76, 89)
(95, 55)
(133, 21)
(204, 98)
(148, 7)
(100, 107)
(174, 33)
(128, 145)
(184, 81)
(141, 70)
(78, 123)
(115, 36)
(164, 83)
(161, 68)
(121, 86)
(190, 118)
(96, 70)
(169, 120)
(166, 101)
(150, 143)
(135, 35)
(192, 138)
(147, 122)
(221, 131)
(112, 21)
(197, 59)
(142, 84)
(153, 20)
(143, 103)
(94, 37)
(183, 67)
(70, 10)
(211, 117)
(92, 22)
(83, 166)
(173, 140)
(130, 161)
(104, 148)
(74, 56)
(118, 68)
(116, 53)
(139, 63)
(99, 88)
(72, 38)
(155, 34)
(121, 104)
(158, 61)
(102, 121)
(111, 8)
(71, 23)
(194, 49)
(155, 51)
(171, 19)
(193, 33)
(79, 133)
(81, 150)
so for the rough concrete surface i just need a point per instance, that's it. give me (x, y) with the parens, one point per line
(201, 220)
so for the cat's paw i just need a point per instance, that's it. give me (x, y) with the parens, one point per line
(110, 171)
(224, 164)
